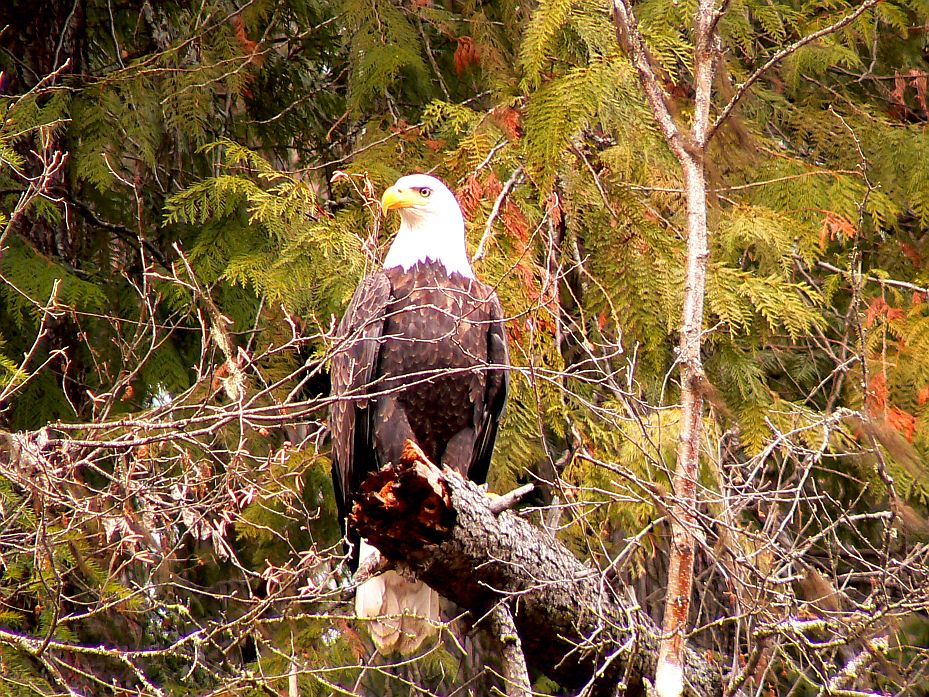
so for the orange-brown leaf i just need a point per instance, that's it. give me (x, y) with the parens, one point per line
(492, 186)
(835, 226)
(249, 46)
(553, 204)
(509, 120)
(877, 308)
(515, 223)
(899, 89)
(467, 54)
(923, 395)
(876, 397)
(902, 421)
(469, 196)
(921, 83)
(911, 253)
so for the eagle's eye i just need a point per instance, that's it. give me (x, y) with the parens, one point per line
(425, 191)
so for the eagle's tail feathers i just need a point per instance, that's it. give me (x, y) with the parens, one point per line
(403, 612)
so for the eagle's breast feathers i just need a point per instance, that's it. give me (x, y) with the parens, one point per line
(419, 353)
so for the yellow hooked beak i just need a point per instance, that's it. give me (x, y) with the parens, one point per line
(395, 198)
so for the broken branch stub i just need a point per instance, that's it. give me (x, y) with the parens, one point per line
(406, 503)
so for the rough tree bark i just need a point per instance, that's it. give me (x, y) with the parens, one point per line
(573, 624)
(515, 672)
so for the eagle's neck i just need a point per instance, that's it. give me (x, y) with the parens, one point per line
(422, 238)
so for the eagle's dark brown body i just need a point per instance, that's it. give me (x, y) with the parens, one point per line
(421, 357)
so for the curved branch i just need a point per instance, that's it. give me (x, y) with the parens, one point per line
(743, 88)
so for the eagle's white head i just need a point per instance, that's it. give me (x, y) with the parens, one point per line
(431, 225)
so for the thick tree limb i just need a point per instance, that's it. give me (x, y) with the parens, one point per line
(573, 625)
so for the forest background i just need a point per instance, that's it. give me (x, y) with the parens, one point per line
(188, 198)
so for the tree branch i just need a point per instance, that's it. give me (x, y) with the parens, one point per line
(511, 183)
(515, 673)
(671, 671)
(742, 89)
(573, 626)
(507, 501)
(630, 38)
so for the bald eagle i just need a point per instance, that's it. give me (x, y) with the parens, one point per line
(421, 355)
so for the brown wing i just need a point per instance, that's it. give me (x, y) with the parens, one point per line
(498, 357)
(353, 365)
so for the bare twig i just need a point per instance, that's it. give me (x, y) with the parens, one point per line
(510, 499)
(514, 179)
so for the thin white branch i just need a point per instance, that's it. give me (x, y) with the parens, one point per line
(856, 666)
(511, 183)
(630, 38)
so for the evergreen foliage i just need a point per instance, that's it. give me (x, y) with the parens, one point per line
(188, 203)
